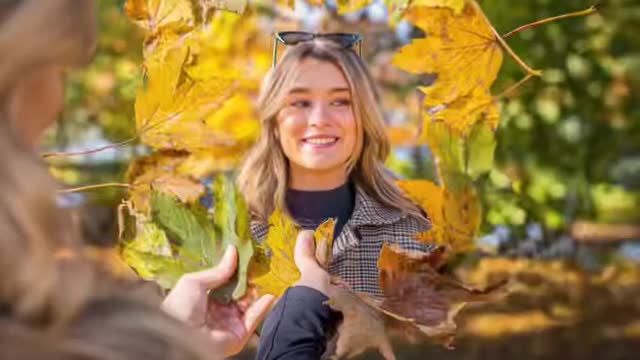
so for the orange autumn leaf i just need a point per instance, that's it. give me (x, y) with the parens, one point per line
(462, 50)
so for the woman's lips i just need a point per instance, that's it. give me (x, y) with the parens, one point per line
(320, 141)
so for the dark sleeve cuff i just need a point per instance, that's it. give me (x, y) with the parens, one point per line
(297, 327)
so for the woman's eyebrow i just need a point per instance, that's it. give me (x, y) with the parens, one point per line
(340, 89)
(303, 90)
(299, 90)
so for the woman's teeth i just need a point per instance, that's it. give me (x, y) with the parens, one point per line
(321, 141)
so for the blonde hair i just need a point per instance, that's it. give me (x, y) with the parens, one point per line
(264, 176)
(36, 32)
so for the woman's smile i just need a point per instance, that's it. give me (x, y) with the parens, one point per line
(319, 142)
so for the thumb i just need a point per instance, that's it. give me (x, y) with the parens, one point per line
(304, 255)
(220, 274)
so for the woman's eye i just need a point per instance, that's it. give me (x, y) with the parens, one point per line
(300, 103)
(341, 102)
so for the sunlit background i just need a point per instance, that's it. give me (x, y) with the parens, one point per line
(566, 185)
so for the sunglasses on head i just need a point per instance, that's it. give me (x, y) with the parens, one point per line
(345, 40)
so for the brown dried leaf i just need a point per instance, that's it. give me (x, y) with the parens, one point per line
(363, 326)
(414, 290)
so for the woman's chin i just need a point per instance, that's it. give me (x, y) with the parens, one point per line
(322, 165)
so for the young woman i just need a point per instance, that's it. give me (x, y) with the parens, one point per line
(321, 154)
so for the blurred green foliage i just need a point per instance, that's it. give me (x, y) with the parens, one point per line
(568, 138)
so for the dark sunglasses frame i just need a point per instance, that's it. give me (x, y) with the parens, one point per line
(346, 40)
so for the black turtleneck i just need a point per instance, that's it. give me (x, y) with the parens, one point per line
(311, 208)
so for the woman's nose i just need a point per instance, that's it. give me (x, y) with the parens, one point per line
(318, 115)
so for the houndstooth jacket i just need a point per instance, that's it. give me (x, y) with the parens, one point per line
(355, 251)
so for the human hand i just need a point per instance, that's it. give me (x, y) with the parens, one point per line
(312, 274)
(227, 325)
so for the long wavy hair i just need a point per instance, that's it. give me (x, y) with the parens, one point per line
(264, 176)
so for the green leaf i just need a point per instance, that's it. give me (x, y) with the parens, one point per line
(150, 255)
(480, 147)
(231, 217)
(189, 229)
(448, 148)
(183, 238)
(461, 159)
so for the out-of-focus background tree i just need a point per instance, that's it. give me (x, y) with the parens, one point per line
(566, 184)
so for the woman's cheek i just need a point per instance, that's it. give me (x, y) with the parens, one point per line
(287, 132)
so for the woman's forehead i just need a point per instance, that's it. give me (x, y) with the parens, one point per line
(317, 75)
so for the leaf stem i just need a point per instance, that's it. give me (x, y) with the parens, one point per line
(507, 92)
(88, 152)
(586, 12)
(504, 45)
(93, 187)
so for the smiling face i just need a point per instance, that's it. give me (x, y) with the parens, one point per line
(316, 126)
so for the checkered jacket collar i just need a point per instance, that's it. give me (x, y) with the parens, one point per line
(366, 211)
(369, 211)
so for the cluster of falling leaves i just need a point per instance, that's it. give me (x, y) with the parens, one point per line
(202, 67)
(200, 70)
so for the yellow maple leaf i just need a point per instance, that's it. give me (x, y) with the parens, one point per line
(455, 214)
(347, 6)
(456, 5)
(323, 237)
(154, 15)
(171, 108)
(462, 50)
(462, 214)
(426, 195)
(235, 6)
(272, 269)
(231, 46)
(160, 172)
(205, 162)
(286, 3)
(236, 118)
(278, 248)
(464, 112)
